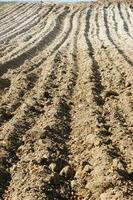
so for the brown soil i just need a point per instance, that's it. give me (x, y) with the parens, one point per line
(66, 101)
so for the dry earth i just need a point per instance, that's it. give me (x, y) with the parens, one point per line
(66, 101)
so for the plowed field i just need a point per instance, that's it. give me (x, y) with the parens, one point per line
(66, 101)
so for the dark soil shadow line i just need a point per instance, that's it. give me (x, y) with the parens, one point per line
(115, 22)
(95, 66)
(128, 15)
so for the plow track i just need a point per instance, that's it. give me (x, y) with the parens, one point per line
(66, 101)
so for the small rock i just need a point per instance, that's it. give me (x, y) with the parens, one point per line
(73, 184)
(87, 169)
(104, 196)
(52, 167)
(97, 143)
(117, 164)
(67, 172)
(103, 47)
(26, 38)
(128, 84)
(79, 173)
(88, 185)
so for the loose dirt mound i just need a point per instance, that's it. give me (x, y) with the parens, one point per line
(66, 102)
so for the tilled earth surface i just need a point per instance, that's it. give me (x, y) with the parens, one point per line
(66, 101)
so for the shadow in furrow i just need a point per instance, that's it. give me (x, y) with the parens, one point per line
(67, 35)
(115, 22)
(97, 24)
(95, 67)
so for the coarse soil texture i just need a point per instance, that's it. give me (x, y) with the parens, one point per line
(66, 101)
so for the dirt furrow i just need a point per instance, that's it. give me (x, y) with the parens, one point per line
(7, 10)
(17, 17)
(126, 8)
(21, 121)
(117, 24)
(12, 12)
(66, 101)
(30, 75)
(33, 41)
(122, 74)
(31, 28)
(121, 52)
(118, 36)
(25, 118)
(59, 184)
(33, 12)
(84, 95)
(13, 22)
(119, 131)
(120, 26)
(43, 43)
(115, 30)
(59, 125)
(131, 12)
(14, 18)
(95, 139)
(126, 28)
